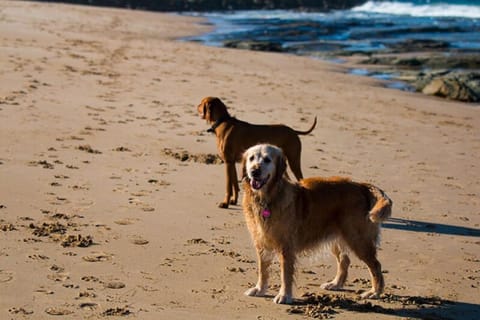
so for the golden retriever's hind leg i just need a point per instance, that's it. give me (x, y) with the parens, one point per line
(343, 262)
(264, 259)
(378, 283)
(367, 252)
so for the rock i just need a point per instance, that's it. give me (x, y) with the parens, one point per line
(419, 45)
(254, 45)
(464, 87)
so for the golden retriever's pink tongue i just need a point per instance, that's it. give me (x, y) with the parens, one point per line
(256, 184)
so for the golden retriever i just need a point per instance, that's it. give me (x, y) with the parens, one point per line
(235, 136)
(288, 218)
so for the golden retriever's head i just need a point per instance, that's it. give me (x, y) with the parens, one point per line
(263, 165)
(212, 109)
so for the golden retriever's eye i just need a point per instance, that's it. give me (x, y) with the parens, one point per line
(267, 160)
(251, 158)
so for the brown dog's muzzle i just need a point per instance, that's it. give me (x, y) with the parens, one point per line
(201, 110)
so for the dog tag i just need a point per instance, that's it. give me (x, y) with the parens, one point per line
(266, 213)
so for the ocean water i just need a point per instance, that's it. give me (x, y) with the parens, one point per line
(371, 27)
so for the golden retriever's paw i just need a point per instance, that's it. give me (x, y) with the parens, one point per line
(283, 299)
(223, 205)
(255, 292)
(372, 294)
(332, 285)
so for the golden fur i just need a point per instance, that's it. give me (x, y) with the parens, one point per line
(235, 136)
(287, 218)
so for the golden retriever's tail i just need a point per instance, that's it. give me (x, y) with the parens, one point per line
(382, 205)
(309, 130)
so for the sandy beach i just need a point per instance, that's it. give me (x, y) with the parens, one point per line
(109, 209)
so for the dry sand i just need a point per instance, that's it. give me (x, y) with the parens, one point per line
(99, 218)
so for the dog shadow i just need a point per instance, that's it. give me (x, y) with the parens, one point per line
(420, 226)
(325, 306)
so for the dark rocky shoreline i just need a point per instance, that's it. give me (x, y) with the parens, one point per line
(454, 76)
(428, 66)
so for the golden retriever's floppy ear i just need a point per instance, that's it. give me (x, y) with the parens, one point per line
(243, 167)
(280, 165)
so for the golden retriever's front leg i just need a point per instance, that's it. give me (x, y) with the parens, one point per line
(264, 259)
(287, 266)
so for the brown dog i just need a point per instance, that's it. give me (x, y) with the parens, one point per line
(288, 218)
(235, 136)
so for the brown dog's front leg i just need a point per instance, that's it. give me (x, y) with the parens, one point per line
(228, 194)
(234, 185)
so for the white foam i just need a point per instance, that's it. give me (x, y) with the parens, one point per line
(426, 10)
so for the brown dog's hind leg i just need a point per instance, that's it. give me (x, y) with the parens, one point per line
(294, 161)
(343, 262)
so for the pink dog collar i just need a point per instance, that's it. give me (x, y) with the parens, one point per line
(266, 213)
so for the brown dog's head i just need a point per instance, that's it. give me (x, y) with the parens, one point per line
(263, 165)
(212, 109)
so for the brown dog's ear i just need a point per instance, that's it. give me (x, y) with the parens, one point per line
(215, 109)
(209, 112)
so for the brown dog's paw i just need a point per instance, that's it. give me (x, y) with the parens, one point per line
(223, 205)
(233, 202)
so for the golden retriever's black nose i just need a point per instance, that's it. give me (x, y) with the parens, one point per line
(256, 173)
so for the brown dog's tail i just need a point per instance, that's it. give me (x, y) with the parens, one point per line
(309, 130)
(382, 205)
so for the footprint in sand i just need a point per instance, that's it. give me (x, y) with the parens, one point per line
(138, 240)
(58, 311)
(20, 310)
(88, 305)
(98, 257)
(126, 221)
(114, 285)
(87, 148)
(5, 226)
(6, 276)
(90, 279)
(58, 277)
(118, 311)
(76, 241)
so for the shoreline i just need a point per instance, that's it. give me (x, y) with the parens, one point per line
(437, 67)
(99, 217)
